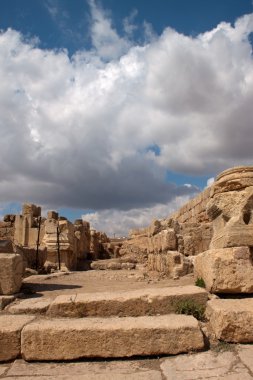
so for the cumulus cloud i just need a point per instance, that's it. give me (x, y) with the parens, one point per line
(76, 131)
(118, 223)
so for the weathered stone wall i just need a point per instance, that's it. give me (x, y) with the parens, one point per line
(166, 244)
(194, 211)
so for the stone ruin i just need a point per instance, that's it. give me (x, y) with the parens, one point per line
(32, 241)
(212, 233)
(210, 236)
(169, 246)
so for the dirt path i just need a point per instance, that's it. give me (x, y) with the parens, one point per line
(96, 281)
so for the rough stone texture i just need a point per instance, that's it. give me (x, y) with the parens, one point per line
(158, 242)
(3, 370)
(245, 353)
(82, 240)
(231, 319)
(113, 264)
(129, 303)
(164, 240)
(231, 215)
(5, 300)
(205, 365)
(110, 337)
(10, 330)
(230, 208)
(172, 263)
(112, 370)
(233, 179)
(68, 256)
(26, 226)
(194, 211)
(30, 306)
(228, 270)
(11, 272)
(194, 238)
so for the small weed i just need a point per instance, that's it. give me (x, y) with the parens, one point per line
(222, 346)
(190, 307)
(200, 282)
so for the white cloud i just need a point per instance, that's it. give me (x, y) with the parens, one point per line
(105, 39)
(120, 222)
(210, 181)
(75, 132)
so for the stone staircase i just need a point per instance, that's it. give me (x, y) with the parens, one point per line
(102, 325)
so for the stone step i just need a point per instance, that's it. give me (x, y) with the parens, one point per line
(75, 338)
(132, 303)
(10, 335)
(231, 319)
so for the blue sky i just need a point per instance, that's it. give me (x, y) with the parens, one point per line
(65, 23)
(121, 110)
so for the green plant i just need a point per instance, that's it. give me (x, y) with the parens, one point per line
(222, 346)
(190, 307)
(200, 282)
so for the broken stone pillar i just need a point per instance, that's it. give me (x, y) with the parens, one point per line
(26, 226)
(82, 239)
(94, 245)
(65, 242)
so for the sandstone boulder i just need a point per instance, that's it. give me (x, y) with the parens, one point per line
(11, 272)
(228, 270)
(231, 319)
(10, 335)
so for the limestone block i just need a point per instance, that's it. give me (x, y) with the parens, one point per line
(168, 240)
(228, 270)
(231, 319)
(30, 306)
(129, 303)
(171, 263)
(10, 335)
(11, 272)
(68, 339)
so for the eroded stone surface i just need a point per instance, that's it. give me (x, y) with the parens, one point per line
(231, 319)
(118, 370)
(10, 331)
(30, 306)
(205, 365)
(227, 270)
(245, 353)
(11, 272)
(110, 337)
(127, 303)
